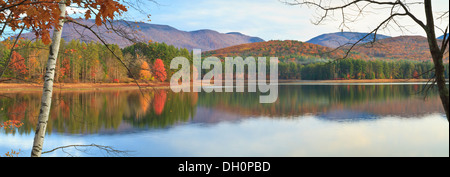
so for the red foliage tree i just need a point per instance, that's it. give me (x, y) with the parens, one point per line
(65, 68)
(416, 74)
(160, 71)
(18, 64)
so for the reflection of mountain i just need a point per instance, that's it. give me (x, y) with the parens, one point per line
(126, 111)
(294, 101)
(347, 115)
(208, 116)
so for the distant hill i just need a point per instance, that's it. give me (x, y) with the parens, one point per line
(403, 47)
(397, 48)
(334, 40)
(201, 39)
(288, 50)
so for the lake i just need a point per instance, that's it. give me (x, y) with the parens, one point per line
(307, 120)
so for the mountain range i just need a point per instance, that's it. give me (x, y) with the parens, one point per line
(334, 40)
(237, 44)
(144, 32)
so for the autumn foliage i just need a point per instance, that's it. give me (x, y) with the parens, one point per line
(145, 73)
(288, 50)
(18, 64)
(404, 47)
(159, 70)
(42, 15)
(65, 68)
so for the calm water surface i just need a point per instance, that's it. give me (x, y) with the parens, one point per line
(307, 120)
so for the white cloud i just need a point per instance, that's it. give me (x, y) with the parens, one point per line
(75, 11)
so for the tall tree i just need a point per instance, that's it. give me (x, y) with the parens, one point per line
(160, 71)
(40, 16)
(48, 85)
(106, 10)
(398, 9)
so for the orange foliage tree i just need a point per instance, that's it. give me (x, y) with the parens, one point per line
(42, 15)
(18, 64)
(145, 73)
(160, 71)
(64, 71)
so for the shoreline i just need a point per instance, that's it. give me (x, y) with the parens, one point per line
(165, 85)
(81, 86)
(357, 81)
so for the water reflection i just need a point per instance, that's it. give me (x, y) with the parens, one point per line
(94, 112)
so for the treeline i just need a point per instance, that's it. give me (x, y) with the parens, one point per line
(81, 62)
(359, 69)
(77, 62)
(139, 55)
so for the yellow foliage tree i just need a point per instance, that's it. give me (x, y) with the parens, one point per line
(145, 73)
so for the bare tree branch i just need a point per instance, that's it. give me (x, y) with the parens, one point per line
(398, 8)
(110, 151)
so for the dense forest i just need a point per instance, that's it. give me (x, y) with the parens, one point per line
(81, 62)
(77, 62)
(358, 69)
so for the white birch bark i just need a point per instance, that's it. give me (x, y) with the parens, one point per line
(48, 85)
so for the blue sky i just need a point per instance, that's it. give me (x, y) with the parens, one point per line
(268, 19)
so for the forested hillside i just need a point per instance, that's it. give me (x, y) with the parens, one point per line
(286, 51)
(307, 61)
(399, 48)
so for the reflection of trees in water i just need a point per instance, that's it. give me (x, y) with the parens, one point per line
(91, 112)
(159, 101)
(303, 100)
(94, 112)
(168, 109)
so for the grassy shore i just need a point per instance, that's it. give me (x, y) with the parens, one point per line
(79, 86)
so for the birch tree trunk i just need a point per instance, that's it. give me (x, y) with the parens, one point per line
(48, 85)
